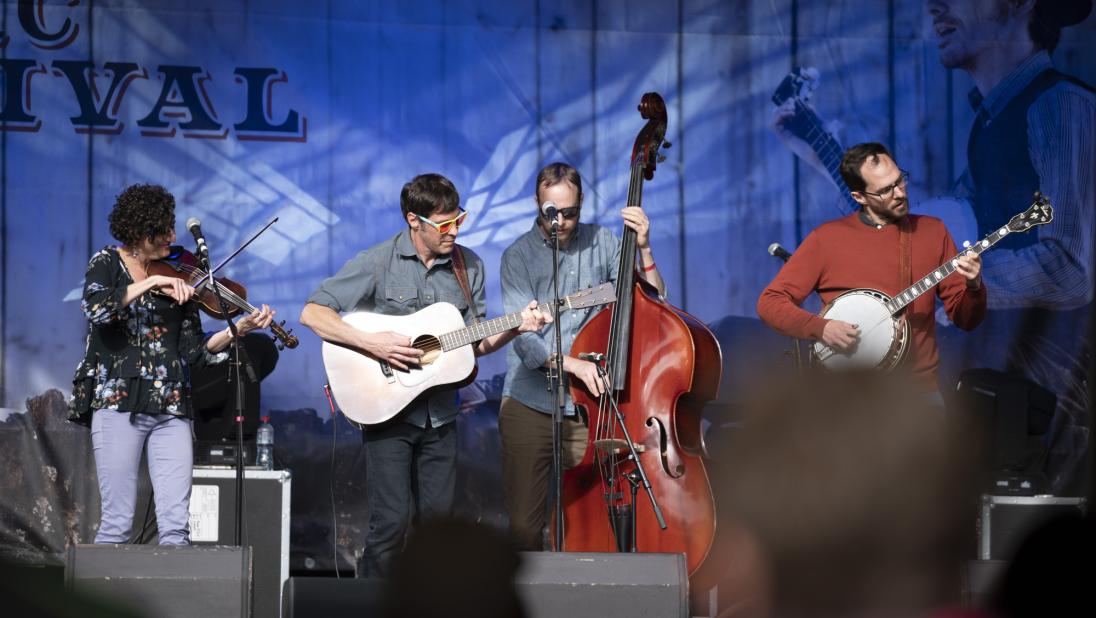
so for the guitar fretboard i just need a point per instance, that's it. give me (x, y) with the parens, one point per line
(929, 281)
(808, 126)
(481, 330)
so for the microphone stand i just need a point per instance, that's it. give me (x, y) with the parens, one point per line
(639, 475)
(239, 358)
(555, 381)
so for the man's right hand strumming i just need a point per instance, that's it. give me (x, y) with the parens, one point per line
(840, 336)
(391, 347)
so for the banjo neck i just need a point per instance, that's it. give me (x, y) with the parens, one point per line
(931, 280)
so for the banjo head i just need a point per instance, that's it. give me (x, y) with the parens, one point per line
(882, 337)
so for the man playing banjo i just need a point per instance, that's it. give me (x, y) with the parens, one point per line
(880, 248)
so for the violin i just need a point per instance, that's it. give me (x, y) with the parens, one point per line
(182, 264)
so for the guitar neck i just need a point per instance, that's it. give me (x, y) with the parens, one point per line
(931, 280)
(481, 330)
(809, 128)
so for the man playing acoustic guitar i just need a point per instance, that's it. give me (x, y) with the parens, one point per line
(411, 458)
(865, 250)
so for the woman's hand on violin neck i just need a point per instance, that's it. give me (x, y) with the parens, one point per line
(176, 288)
(258, 319)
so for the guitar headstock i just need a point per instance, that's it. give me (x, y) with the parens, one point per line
(653, 135)
(592, 297)
(1039, 213)
(798, 85)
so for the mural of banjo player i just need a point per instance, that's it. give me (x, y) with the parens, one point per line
(864, 250)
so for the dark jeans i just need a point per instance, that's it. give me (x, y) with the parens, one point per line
(409, 472)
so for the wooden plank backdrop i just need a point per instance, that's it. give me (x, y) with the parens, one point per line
(485, 92)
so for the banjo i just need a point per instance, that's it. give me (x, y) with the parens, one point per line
(884, 332)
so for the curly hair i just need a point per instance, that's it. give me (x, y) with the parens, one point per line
(142, 212)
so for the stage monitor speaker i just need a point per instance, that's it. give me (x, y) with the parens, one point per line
(327, 597)
(166, 582)
(607, 585)
(549, 584)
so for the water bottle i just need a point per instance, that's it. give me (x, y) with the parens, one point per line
(264, 443)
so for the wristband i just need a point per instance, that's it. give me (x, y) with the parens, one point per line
(648, 269)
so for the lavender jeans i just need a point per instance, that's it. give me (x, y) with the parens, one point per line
(117, 445)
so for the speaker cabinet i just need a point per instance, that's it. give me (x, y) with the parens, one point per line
(167, 582)
(607, 585)
(550, 585)
(328, 597)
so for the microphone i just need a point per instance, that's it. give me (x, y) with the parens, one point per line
(195, 227)
(776, 250)
(549, 210)
(593, 357)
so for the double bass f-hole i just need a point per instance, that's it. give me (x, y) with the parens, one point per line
(672, 470)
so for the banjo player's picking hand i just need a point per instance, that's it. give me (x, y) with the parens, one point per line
(841, 336)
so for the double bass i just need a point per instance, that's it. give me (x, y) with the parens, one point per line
(662, 366)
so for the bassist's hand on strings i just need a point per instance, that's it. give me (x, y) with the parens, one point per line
(636, 219)
(391, 347)
(841, 336)
(585, 371)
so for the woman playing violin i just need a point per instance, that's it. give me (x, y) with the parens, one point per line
(133, 385)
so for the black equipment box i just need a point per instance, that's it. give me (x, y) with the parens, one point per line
(266, 523)
(1007, 520)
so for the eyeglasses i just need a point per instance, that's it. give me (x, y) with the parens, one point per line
(568, 213)
(885, 192)
(448, 226)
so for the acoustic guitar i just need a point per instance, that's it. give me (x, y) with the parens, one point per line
(370, 391)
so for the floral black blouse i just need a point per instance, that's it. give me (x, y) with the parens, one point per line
(137, 355)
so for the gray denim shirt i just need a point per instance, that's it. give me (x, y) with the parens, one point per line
(590, 259)
(389, 278)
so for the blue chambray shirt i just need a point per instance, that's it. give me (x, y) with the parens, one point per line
(590, 259)
(390, 278)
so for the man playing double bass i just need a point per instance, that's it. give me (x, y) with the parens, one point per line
(589, 255)
(862, 250)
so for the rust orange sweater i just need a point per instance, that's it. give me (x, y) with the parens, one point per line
(847, 253)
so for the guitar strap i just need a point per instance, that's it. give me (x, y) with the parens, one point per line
(905, 259)
(462, 278)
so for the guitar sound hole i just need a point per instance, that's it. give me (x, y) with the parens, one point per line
(430, 347)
